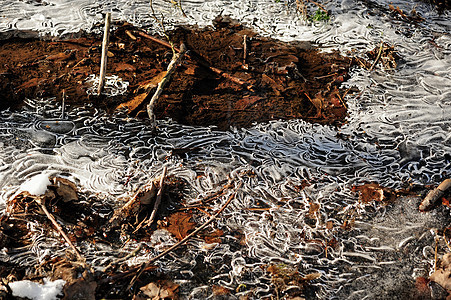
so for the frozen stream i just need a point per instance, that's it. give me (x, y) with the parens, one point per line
(398, 132)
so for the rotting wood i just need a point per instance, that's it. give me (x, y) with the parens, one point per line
(147, 266)
(177, 57)
(434, 195)
(219, 72)
(103, 63)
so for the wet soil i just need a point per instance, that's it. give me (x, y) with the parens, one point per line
(218, 83)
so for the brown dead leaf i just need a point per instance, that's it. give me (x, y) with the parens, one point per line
(373, 192)
(246, 101)
(65, 270)
(314, 207)
(180, 224)
(220, 290)
(312, 276)
(153, 82)
(442, 277)
(190, 70)
(66, 189)
(60, 56)
(124, 67)
(146, 87)
(80, 289)
(277, 88)
(446, 261)
(133, 104)
(329, 225)
(214, 237)
(162, 289)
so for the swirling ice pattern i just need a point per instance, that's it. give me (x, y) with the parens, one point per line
(398, 131)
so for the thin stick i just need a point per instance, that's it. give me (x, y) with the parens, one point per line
(320, 6)
(103, 63)
(176, 245)
(444, 237)
(434, 195)
(63, 104)
(122, 259)
(59, 229)
(158, 200)
(130, 35)
(378, 56)
(244, 49)
(176, 58)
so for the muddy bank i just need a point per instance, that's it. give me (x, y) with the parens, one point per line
(232, 76)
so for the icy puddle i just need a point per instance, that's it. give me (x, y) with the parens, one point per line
(297, 213)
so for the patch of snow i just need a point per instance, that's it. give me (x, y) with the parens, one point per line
(36, 185)
(33, 290)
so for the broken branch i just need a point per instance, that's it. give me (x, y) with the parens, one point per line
(176, 58)
(41, 203)
(103, 62)
(378, 56)
(158, 200)
(434, 195)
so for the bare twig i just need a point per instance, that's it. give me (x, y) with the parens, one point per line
(301, 8)
(176, 58)
(142, 196)
(433, 196)
(161, 23)
(122, 259)
(158, 200)
(319, 6)
(176, 245)
(41, 203)
(130, 35)
(63, 104)
(378, 56)
(244, 49)
(103, 63)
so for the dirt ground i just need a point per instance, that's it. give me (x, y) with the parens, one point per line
(220, 82)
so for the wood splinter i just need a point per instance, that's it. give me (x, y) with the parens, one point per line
(244, 49)
(434, 195)
(103, 62)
